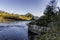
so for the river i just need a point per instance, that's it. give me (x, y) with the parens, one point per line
(17, 30)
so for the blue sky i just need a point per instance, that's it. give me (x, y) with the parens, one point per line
(36, 7)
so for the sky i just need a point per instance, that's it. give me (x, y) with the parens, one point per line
(35, 7)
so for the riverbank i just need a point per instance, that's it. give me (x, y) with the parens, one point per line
(37, 31)
(9, 16)
(2, 19)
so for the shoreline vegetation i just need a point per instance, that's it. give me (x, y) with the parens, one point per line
(50, 20)
(8, 17)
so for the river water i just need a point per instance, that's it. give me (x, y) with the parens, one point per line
(17, 30)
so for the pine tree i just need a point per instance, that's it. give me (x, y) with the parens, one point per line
(50, 11)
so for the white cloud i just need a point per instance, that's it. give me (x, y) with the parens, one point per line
(58, 3)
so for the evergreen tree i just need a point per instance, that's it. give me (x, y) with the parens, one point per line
(50, 14)
(50, 11)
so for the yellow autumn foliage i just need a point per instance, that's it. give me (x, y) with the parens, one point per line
(5, 15)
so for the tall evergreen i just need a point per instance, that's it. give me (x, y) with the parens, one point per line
(50, 11)
(50, 14)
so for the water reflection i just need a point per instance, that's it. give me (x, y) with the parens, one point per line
(14, 31)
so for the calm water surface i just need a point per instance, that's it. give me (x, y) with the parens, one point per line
(17, 30)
